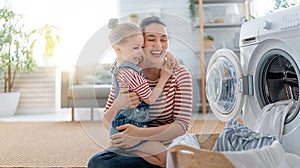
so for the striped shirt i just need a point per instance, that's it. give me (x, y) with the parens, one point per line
(174, 104)
(129, 78)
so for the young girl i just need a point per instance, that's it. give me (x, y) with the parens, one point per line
(127, 41)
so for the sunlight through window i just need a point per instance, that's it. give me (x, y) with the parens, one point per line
(77, 21)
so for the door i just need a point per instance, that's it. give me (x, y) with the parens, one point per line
(224, 85)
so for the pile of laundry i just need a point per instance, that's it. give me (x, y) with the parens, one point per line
(260, 147)
(247, 148)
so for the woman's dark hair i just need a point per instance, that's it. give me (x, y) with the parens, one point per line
(149, 20)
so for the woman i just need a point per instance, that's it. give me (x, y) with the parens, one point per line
(170, 115)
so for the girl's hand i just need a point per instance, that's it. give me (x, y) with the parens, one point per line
(127, 138)
(166, 71)
(171, 61)
(126, 99)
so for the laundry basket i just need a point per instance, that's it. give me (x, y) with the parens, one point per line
(188, 157)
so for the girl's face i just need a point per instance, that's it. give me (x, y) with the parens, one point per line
(131, 50)
(156, 43)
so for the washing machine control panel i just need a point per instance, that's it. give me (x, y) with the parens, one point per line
(290, 20)
(266, 24)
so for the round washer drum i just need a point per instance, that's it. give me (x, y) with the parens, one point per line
(278, 80)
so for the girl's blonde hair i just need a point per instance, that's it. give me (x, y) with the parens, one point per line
(120, 32)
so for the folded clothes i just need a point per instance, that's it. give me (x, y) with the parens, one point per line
(238, 137)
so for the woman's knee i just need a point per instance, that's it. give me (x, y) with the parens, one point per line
(94, 161)
(101, 159)
(109, 159)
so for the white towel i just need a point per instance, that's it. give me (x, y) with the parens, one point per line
(272, 156)
(271, 119)
(186, 139)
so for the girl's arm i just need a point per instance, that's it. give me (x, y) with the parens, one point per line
(165, 74)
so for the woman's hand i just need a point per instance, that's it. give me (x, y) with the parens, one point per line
(130, 130)
(126, 99)
(127, 138)
(171, 61)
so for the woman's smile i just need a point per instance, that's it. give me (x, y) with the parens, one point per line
(156, 53)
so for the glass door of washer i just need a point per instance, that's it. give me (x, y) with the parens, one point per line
(224, 85)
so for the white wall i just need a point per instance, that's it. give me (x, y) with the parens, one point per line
(184, 40)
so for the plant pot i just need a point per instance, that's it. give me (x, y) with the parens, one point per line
(134, 20)
(208, 44)
(9, 103)
(48, 61)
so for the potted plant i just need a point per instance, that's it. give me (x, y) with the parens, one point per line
(192, 9)
(16, 54)
(281, 4)
(193, 14)
(208, 41)
(134, 18)
(51, 37)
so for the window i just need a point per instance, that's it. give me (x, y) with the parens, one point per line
(77, 20)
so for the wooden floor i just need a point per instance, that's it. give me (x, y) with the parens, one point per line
(206, 127)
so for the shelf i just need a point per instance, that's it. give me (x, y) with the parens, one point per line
(220, 25)
(221, 19)
(219, 1)
(212, 51)
(200, 106)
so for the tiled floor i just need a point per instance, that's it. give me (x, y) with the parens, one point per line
(80, 115)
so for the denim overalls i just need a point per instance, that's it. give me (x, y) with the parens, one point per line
(138, 116)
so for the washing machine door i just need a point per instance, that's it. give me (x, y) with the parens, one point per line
(224, 85)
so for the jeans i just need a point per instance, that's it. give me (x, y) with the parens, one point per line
(110, 159)
(138, 116)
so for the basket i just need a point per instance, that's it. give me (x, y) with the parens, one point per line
(188, 157)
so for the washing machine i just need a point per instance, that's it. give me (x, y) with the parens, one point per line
(265, 71)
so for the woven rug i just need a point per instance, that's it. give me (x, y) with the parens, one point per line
(62, 144)
(47, 144)
(206, 127)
